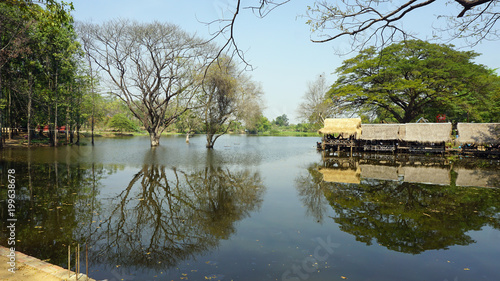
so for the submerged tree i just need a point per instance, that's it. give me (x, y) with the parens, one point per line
(227, 96)
(151, 66)
(219, 99)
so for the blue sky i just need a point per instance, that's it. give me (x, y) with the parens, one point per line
(278, 46)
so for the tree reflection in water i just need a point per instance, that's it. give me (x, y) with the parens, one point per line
(401, 216)
(166, 215)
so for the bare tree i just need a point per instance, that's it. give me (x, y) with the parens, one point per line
(379, 22)
(368, 22)
(315, 106)
(225, 25)
(152, 65)
(250, 104)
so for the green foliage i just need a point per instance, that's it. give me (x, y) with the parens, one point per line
(40, 65)
(121, 123)
(281, 120)
(304, 127)
(262, 125)
(403, 80)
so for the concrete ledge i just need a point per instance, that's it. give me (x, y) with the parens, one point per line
(44, 267)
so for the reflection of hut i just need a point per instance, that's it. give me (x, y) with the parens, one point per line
(341, 175)
(479, 133)
(429, 175)
(425, 137)
(340, 132)
(379, 172)
(479, 178)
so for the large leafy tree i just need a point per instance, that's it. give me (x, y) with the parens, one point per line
(404, 79)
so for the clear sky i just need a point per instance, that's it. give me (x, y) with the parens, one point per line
(278, 46)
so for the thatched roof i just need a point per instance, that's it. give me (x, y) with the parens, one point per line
(379, 172)
(341, 175)
(429, 175)
(478, 178)
(380, 131)
(346, 126)
(425, 132)
(479, 133)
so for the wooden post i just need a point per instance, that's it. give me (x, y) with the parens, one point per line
(87, 260)
(69, 261)
(78, 268)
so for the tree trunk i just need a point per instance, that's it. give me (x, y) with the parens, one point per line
(187, 137)
(1, 113)
(210, 140)
(55, 113)
(154, 137)
(29, 109)
(67, 125)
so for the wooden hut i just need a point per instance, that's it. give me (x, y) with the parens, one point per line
(424, 137)
(479, 133)
(379, 137)
(479, 138)
(340, 133)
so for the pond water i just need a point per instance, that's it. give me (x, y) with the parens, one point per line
(254, 208)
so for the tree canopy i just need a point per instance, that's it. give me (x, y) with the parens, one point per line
(41, 78)
(404, 79)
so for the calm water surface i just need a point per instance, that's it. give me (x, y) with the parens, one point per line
(255, 208)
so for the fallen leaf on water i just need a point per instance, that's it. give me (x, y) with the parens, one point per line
(466, 268)
(343, 277)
